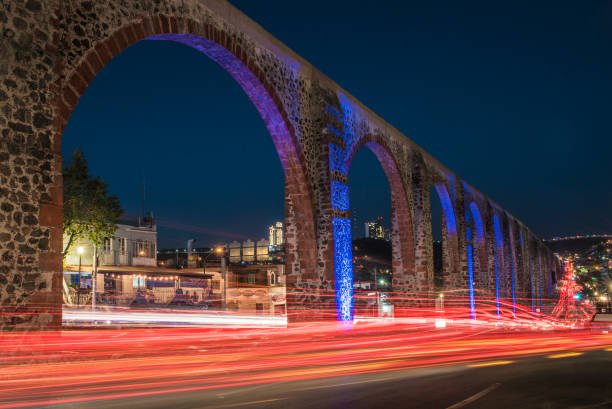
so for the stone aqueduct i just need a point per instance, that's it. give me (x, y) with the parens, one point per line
(52, 49)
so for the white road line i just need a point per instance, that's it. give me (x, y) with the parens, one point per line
(474, 397)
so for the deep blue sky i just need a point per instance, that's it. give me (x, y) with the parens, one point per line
(513, 97)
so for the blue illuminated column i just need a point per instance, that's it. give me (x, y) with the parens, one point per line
(499, 243)
(470, 260)
(513, 296)
(343, 255)
(343, 265)
(343, 258)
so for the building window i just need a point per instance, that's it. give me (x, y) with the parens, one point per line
(252, 277)
(106, 246)
(144, 248)
(272, 279)
(122, 243)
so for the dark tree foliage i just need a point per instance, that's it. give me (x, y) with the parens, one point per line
(90, 212)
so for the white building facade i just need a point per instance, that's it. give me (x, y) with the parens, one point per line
(132, 245)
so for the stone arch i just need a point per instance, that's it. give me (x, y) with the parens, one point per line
(509, 282)
(517, 259)
(525, 288)
(481, 242)
(219, 46)
(450, 245)
(402, 231)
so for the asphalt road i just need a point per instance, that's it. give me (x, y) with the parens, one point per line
(581, 381)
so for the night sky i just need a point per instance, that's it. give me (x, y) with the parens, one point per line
(514, 97)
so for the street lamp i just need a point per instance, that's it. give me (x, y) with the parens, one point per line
(219, 251)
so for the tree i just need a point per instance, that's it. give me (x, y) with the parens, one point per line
(90, 212)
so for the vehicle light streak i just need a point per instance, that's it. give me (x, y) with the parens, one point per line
(81, 365)
(180, 350)
(491, 363)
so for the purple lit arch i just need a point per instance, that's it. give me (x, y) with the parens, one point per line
(219, 47)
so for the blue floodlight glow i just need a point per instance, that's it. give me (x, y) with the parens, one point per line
(343, 268)
(447, 208)
(343, 258)
(477, 222)
(339, 196)
(578, 297)
(498, 247)
(469, 220)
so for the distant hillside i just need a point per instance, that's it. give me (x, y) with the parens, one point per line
(575, 245)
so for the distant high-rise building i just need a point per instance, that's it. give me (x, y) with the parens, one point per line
(276, 234)
(375, 230)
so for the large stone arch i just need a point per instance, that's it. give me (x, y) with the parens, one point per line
(402, 231)
(230, 56)
(84, 48)
(222, 48)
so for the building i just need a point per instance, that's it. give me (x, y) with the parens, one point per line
(132, 249)
(276, 234)
(255, 272)
(375, 230)
(250, 252)
(134, 244)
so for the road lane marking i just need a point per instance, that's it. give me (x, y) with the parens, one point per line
(474, 397)
(565, 355)
(492, 363)
(236, 405)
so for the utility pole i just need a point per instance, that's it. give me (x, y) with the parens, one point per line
(94, 278)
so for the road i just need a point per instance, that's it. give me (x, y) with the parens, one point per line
(312, 366)
(583, 381)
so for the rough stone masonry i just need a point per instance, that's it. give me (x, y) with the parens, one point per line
(51, 50)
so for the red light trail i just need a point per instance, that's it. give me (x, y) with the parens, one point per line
(79, 366)
(72, 366)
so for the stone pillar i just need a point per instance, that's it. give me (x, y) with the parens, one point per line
(423, 253)
(30, 165)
